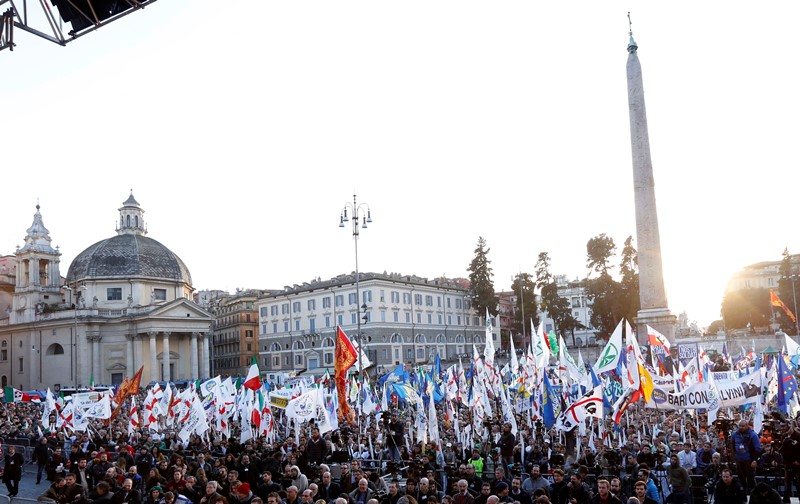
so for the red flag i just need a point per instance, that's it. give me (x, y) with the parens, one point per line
(344, 357)
(776, 301)
(253, 382)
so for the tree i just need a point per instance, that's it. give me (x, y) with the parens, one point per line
(524, 287)
(603, 291)
(480, 279)
(746, 306)
(556, 307)
(629, 284)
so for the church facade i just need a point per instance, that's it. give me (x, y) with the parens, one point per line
(126, 303)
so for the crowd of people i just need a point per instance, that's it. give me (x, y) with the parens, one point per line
(653, 457)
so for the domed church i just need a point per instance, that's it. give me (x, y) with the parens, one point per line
(126, 303)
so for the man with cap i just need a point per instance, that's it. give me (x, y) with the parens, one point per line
(501, 491)
(764, 494)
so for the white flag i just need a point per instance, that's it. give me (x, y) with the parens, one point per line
(609, 358)
(100, 409)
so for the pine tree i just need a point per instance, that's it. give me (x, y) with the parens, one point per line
(480, 279)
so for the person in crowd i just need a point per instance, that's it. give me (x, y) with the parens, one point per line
(764, 494)
(604, 495)
(12, 470)
(536, 481)
(746, 449)
(463, 496)
(579, 491)
(640, 492)
(728, 490)
(517, 493)
(55, 493)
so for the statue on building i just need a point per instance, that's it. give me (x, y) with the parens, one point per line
(130, 300)
(94, 303)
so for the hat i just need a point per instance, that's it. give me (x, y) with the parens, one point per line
(244, 488)
(449, 445)
(501, 486)
(157, 487)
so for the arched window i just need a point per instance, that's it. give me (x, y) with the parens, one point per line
(4, 344)
(420, 339)
(55, 349)
(298, 345)
(477, 340)
(327, 343)
(128, 220)
(136, 220)
(460, 338)
(396, 338)
(275, 348)
(4, 381)
(440, 339)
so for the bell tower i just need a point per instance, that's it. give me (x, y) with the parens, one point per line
(38, 276)
(131, 217)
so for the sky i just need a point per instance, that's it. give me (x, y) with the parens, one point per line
(243, 131)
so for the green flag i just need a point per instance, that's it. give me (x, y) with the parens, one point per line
(551, 338)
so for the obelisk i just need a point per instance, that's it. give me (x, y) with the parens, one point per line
(652, 295)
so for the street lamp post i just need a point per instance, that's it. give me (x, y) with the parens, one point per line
(359, 212)
(794, 296)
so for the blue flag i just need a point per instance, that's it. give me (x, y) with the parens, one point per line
(398, 375)
(551, 404)
(787, 385)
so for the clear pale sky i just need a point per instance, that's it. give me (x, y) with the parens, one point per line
(244, 127)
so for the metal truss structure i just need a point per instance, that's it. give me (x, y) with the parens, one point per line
(46, 21)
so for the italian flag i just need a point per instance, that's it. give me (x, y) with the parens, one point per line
(253, 382)
(14, 395)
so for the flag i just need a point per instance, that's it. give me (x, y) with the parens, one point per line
(15, 395)
(128, 387)
(133, 422)
(100, 409)
(793, 351)
(253, 380)
(551, 403)
(787, 385)
(776, 301)
(589, 406)
(344, 357)
(610, 356)
(48, 409)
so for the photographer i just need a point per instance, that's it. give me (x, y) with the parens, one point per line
(791, 459)
(395, 436)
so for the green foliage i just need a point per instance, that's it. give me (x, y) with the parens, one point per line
(747, 306)
(480, 279)
(714, 328)
(599, 251)
(556, 306)
(629, 283)
(605, 293)
(524, 287)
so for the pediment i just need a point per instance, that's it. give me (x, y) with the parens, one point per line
(181, 309)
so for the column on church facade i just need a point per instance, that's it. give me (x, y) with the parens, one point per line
(129, 362)
(165, 356)
(206, 355)
(153, 357)
(95, 339)
(194, 371)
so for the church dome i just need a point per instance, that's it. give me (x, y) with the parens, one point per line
(130, 254)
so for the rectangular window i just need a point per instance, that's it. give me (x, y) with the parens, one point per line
(576, 314)
(383, 316)
(312, 325)
(366, 296)
(339, 300)
(114, 294)
(286, 326)
(263, 328)
(448, 302)
(418, 299)
(273, 310)
(285, 309)
(397, 353)
(440, 318)
(249, 347)
(275, 327)
(408, 317)
(276, 361)
(430, 318)
(410, 353)
(263, 311)
(395, 297)
(296, 307)
(406, 298)
(449, 320)
(340, 319)
(382, 298)
(368, 317)
(419, 318)
(396, 317)
(312, 304)
(351, 298)
(160, 294)
(4, 355)
(353, 318)
(21, 365)
(458, 303)
(327, 320)
(476, 321)
(438, 301)
(428, 300)
(297, 325)
(467, 304)
(385, 354)
(298, 359)
(458, 319)
(326, 302)
(286, 360)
